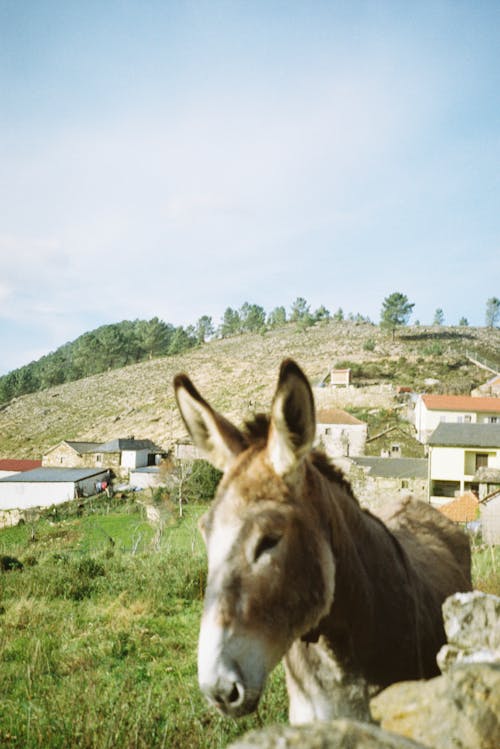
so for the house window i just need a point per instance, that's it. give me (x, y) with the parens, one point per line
(492, 420)
(61, 460)
(481, 460)
(98, 459)
(404, 484)
(395, 451)
(467, 418)
(328, 430)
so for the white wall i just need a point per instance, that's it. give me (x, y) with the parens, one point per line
(22, 495)
(342, 439)
(134, 458)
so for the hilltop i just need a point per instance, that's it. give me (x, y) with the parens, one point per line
(238, 375)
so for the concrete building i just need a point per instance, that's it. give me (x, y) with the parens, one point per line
(44, 487)
(432, 410)
(456, 453)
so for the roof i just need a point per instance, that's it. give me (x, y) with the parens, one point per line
(405, 468)
(461, 403)
(8, 464)
(116, 446)
(493, 496)
(462, 509)
(84, 447)
(487, 475)
(466, 435)
(397, 428)
(336, 416)
(53, 475)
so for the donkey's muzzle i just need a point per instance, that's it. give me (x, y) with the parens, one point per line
(230, 695)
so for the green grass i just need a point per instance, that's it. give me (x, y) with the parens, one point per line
(98, 639)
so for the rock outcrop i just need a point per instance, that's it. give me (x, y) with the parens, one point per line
(338, 734)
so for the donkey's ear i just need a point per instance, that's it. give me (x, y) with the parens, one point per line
(293, 422)
(220, 440)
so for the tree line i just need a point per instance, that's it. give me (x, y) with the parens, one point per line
(129, 342)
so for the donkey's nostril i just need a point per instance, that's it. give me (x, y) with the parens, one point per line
(235, 694)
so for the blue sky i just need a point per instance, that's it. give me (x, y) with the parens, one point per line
(171, 159)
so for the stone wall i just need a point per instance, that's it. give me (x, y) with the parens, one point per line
(458, 710)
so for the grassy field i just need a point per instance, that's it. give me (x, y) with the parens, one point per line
(98, 636)
(98, 633)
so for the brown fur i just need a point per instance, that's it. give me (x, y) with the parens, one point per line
(351, 599)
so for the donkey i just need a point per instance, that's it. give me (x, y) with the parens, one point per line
(298, 570)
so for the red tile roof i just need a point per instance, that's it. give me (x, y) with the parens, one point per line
(463, 509)
(11, 464)
(461, 403)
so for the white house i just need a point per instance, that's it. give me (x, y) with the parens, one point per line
(458, 455)
(120, 455)
(44, 487)
(431, 410)
(339, 433)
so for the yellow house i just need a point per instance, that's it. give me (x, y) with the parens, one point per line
(457, 455)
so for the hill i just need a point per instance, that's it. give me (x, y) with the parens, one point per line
(238, 374)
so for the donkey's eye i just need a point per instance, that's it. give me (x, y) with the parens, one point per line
(266, 543)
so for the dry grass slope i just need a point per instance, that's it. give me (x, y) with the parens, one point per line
(236, 374)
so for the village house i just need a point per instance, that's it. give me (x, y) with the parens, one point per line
(340, 377)
(394, 442)
(339, 433)
(431, 410)
(377, 481)
(43, 487)
(458, 453)
(119, 455)
(490, 389)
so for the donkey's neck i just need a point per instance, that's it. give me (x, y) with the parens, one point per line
(371, 595)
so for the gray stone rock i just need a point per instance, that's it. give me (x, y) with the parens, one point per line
(472, 624)
(459, 710)
(337, 734)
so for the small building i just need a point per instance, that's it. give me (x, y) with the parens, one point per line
(339, 433)
(146, 478)
(376, 481)
(9, 466)
(43, 487)
(456, 453)
(489, 509)
(432, 410)
(394, 442)
(119, 455)
(463, 509)
(340, 377)
(490, 389)
(183, 449)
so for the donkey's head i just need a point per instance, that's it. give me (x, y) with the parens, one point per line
(270, 566)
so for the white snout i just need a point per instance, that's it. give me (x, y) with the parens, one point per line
(232, 668)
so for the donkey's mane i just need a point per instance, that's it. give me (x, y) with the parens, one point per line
(256, 432)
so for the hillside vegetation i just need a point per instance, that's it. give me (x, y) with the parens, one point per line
(238, 374)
